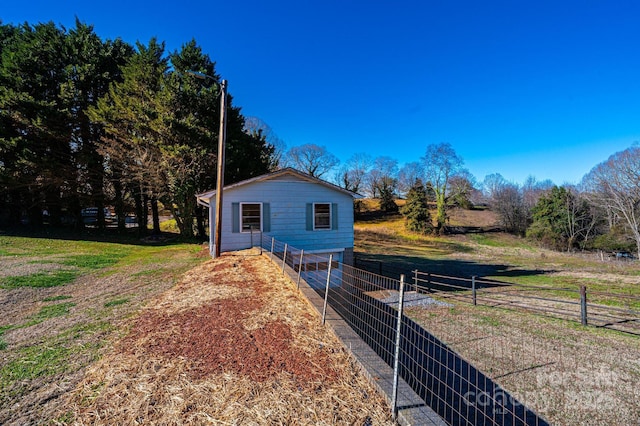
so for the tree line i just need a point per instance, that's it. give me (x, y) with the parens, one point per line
(601, 212)
(87, 122)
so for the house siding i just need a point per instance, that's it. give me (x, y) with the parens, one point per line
(288, 197)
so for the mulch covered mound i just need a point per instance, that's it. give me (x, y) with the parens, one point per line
(234, 342)
(215, 339)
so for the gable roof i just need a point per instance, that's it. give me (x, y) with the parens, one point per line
(205, 197)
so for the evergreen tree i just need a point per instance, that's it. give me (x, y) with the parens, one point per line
(134, 114)
(92, 123)
(387, 200)
(35, 154)
(91, 66)
(190, 154)
(561, 219)
(416, 210)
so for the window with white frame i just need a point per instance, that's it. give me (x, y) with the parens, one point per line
(322, 216)
(250, 216)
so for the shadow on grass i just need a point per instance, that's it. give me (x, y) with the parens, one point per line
(109, 235)
(393, 265)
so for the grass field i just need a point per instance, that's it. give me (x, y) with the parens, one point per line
(63, 301)
(123, 332)
(571, 374)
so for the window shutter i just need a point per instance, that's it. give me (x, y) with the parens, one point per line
(235, 217)
(334, 216)
(266, 217)
(309, 216)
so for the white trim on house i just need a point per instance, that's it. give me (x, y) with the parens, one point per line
(240, 221)
(205, 198)
(329, 227)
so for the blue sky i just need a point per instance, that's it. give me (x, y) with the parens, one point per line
(520, 88)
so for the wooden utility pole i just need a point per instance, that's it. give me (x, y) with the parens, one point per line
(222, 135)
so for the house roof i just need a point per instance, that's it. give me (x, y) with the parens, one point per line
(205, 197)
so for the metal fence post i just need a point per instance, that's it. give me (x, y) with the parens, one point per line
(284, 257)
(429, 282)
(300, 267)
(273, 242)
(326, 291)
(583, 305)
(396, 361)
(473, 290)
(415, 280)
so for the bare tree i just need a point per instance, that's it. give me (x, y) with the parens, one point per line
(256, 126)
(462, 189)
(532, 190)
(615, 186)
(408, 175)
(382, 177)
(581, 218)
(312, 159)
(353, 173)
(441, 163)
(492, 185)
(508, 202)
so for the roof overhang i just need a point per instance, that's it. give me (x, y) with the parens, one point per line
(205, 198)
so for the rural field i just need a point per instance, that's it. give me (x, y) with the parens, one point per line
(137, 332)
(119, 332)
(571, 374)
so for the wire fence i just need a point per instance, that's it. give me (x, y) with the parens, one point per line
(616, 310)
(373, 306)
(534, 341)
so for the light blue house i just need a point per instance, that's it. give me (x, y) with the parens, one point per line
(293, 207)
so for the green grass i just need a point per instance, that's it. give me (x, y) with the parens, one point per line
(53, 311)
(58, 354)
(116, 302)
(76, 340)
(3, 344)
(489, 321)
(40, 279)
(33, 362)
(93, 261)
(48, 312)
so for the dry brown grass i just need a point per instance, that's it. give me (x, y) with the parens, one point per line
(233, 343)
(570, 374)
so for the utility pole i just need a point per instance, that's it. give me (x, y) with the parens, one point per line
(222, 135)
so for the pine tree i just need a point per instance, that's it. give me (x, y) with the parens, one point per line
(135, 114)
(416, 210)
(387, 202)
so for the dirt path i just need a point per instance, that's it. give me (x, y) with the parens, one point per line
(232, 343)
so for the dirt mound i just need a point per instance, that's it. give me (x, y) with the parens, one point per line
(233, 343)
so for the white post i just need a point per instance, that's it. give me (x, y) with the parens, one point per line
(284, 258)
(300, 266)
(212, 229)
(396, 361)
(326, 291)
